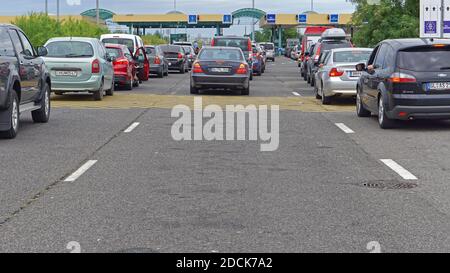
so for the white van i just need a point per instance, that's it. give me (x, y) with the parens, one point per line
(133, 42)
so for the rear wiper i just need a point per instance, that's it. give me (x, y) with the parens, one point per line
(445, 68)
(76, 55)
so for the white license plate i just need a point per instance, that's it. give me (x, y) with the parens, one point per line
(438, 86)
(220, 70)
(355, 74)
(66, 73)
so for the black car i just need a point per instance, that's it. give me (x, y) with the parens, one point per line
(24, 81)
(221, 67)
(176, 57)
(244, 43)
(406, 79)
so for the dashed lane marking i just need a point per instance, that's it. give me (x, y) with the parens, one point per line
(86, 166)
(132, 127)
(344, 128)
(405, 174)
(146, 101)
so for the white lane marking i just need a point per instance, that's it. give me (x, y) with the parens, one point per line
(86, 166)
(405, 174)
(344, 128)
(132, 127)
(296, 94)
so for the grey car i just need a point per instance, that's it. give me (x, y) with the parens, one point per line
(336, 73)
(158, 62)
(221, 67)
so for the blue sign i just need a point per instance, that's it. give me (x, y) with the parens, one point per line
(334, 18)
(271, 18)
(192, 19)
(446, 26)
(227, 19)
(302, 18)
(430, 27)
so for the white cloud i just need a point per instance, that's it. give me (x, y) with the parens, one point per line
(73, 2)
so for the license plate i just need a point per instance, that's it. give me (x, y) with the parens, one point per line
(355, 74)
(170, 64)
(220, 70)
(66, 73)
(438, 86)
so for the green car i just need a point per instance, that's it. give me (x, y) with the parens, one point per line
(80, 65)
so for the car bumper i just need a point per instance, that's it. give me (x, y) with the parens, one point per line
(337, 87)
(155, 69)
(405, 106)
(90, 85)
(220, 81)
(176, 65)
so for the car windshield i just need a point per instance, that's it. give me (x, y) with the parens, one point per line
(232, 42)
(171, 48)
(351, 56)
(114, 52)
(221, 54)
(69, 49)
(120, 41)
(425, 59)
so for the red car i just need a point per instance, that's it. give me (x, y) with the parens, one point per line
(124, 66)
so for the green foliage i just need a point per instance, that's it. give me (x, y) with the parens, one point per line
(40, 27)
(290, 33)
(154, 39)
(389, 20)
(264, 35)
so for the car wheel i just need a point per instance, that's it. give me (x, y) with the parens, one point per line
(14, 115)
(161, 74)
(251, 76)
(194, 90)
(98, 95)
(246, 90)
(312, 81)
(129, 84)
(360, 110)
(110, 92)
(316, 91)
(42, 115)
(326, 100)
(182, 70)
(308, 79)
(383, 120)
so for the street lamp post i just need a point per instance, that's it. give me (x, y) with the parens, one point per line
(312, 5)
(46, 7)
(97, 11)
(57, 10)
(253, 22)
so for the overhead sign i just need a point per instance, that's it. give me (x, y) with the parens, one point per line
(302, 18)
(430, 18)
(192, 19)
(227, 19)
(271, 18)
(334, 18)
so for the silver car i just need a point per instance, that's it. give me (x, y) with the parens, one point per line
(336, 74)
(80, 65)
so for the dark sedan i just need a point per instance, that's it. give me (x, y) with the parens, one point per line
(158, 63)
(221, 67)
(176, 57)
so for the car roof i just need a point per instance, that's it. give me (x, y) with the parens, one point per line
(231, 37)
(79, 39)
(399, 44)
(222, 47)
(119, 35)
(352, 49)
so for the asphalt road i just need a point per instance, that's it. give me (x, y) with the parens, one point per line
(323, 190)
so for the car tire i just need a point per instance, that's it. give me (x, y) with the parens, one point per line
(308, 79)
(182, 70)
(110, 92)
(312, 81)
(383, 120)
(251, 76)
(161, 74)
(59, 93)
(316, 92)
(326, 100)
(194, 90)
(246, 91)
(42, 115)
(129, 84)
(360, 110)
(14, 114)
(98, 95)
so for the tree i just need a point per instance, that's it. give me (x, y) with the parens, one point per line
(389, 20)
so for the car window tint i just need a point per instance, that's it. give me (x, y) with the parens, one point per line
(28, 48)
(221, 54)
(389, 61)
(171, 48)
(425, 59)
(232, 42)
(16, 41)
(120, 41)
(150, 51)
(114, 52)
(372, 56)
(381, 55)
(351, 56)
(335, 44)
(69, 49)
(6, 46)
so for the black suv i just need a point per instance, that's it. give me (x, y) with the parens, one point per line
(24, 81)
(406, 79)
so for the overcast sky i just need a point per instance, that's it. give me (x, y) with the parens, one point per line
(187, 6)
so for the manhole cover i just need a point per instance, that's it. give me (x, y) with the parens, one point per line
(389, 185)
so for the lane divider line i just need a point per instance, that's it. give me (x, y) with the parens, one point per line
(86, 166)
(405, 174)
(296, 94)
(344, 128)
(132, 127)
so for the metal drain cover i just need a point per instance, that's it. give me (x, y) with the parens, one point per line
(389, 185)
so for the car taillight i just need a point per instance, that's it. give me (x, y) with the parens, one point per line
(334, 72)
(242, 69)
(213, 41)
(180, 56)
(398, 77)
(95, 66)
(157, 60)
(249, 45)
(197, 68)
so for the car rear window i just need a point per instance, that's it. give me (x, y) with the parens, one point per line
(114, 52)
(221, 54)
(268, 46)
(69, 49)
(171, 48)
(150, 51)
(120, 41)
(425, 59)
(351, 56)
(232, 42)
(187, 49)
(335, 44)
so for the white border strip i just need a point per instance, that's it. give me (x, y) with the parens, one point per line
(86, 166)
(132, 127)
(344, 128)
(405, 174)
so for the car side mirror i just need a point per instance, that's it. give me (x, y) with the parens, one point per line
(360, 67)
(42, 51)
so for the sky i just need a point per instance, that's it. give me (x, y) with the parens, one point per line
(21, 7)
